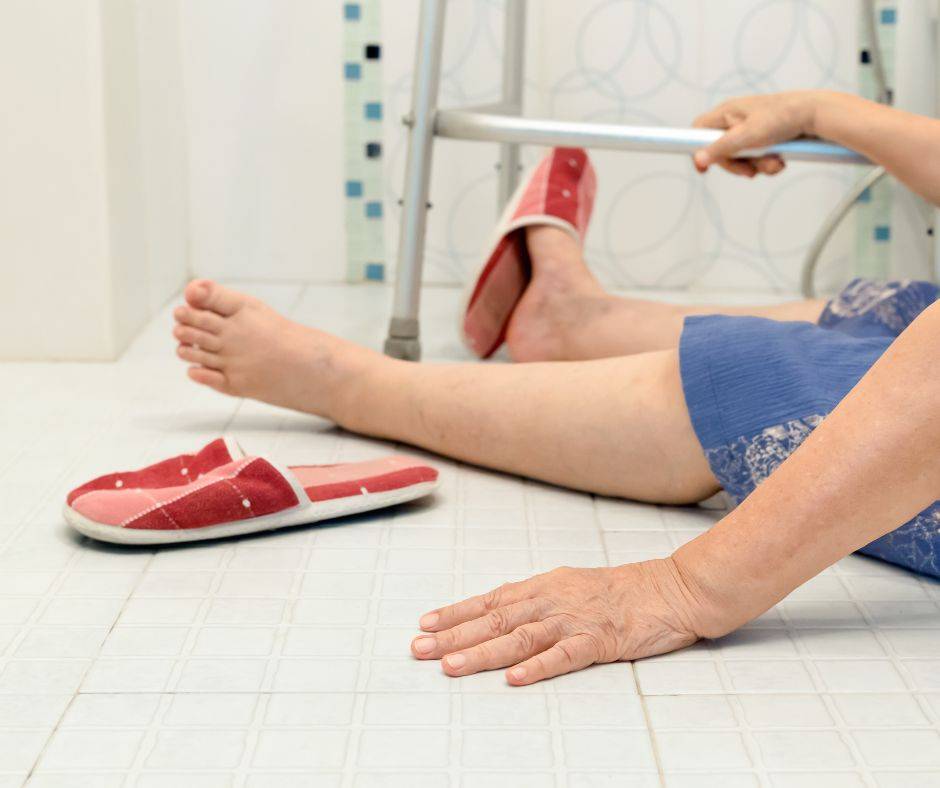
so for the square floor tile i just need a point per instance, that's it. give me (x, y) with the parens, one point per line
(417, 748)
(500, 749)
(626, 749)
(702, 750)
(301, 749)
(806, 749)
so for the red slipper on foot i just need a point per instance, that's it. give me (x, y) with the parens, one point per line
(560, 192)
(243, 496)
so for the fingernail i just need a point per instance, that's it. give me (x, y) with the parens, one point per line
(518, 673)
(425, 645)
(429, 620)
(456, 661)
(701, 158)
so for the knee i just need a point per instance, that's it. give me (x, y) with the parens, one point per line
(684, 475)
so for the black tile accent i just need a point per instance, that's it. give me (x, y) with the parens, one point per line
(864, 56)
(373, 52)
(373, 150)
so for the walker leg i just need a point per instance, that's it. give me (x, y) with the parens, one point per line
(513, 74)
(402, 341)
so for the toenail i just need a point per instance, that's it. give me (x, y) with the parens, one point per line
(429, 620)
(425, 645)
(565, 193)
(518, 673)
(456, 661)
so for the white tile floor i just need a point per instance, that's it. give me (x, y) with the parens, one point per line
(282, 660)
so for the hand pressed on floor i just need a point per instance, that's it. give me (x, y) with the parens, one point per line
(562, 621)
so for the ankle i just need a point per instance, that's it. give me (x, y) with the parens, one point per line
(551, 322)
(528, 341)
(358, 393)
(550, 242)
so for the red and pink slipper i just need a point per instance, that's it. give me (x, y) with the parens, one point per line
(560, 192)
(222, 492)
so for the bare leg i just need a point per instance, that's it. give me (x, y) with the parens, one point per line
(613, 426)
(566, 314)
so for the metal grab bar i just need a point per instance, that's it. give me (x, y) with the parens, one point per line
(486, 126)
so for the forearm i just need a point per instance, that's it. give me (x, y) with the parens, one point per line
(869, 467)
(907, 145)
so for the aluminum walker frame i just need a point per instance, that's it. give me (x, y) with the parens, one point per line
(503, 123)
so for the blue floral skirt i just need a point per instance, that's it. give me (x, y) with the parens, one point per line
(755, 388)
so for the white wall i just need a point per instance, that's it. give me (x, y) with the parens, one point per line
(266, 157)
(77, 280)
(52, 219)
(265, 107)
(165, 145)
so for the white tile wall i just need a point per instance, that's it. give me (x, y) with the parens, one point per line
(282, 659)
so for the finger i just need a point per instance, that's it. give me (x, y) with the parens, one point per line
(566, 656)
(194, 336)
(491, 625)
(199, 318)
(715, 118)
(510, 649)
(728, 145)
(769, 165)
(197, 356)
(742, 167)
(476, 606)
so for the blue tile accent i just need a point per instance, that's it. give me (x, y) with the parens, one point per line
(865, 196)
(888, 16)
(352, 71)
(375, 272)
(354, 188)
(374, 210)
(373, 110)
(882, 233)
(352, 12)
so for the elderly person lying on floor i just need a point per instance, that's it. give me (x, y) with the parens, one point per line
(821, 419)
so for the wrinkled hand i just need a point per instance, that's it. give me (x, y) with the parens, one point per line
(562, 621)
(754, 122)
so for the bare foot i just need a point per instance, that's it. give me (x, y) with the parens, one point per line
(240, 346)
(562, 295)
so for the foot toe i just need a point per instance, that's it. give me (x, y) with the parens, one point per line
(207, 377)
(197, 292)
(199, 356)
(187, 335)
(206, 294)
(202, 319)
